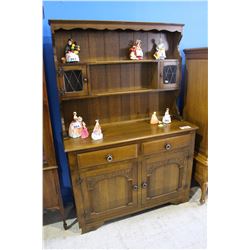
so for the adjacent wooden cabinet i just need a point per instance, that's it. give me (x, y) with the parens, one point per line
(51, 187)
(196, 110)
(136, 165)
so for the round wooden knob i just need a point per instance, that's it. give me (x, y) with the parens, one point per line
(135, 187)
(109, 158)
(144, 185)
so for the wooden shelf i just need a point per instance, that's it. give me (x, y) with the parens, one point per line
(125, 92)
(102, 62)
(123, 61)
(123, 132)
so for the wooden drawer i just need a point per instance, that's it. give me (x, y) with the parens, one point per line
(167, 144)
(107, 156)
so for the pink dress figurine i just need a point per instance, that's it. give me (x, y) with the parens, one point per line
(154, 119)
(139, 53)
(85, 132)
(97, 132)
(75, 127)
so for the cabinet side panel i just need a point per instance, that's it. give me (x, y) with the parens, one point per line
(196, 103)
(50, 189)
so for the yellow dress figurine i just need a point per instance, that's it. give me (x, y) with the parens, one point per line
(154, 119)
(160, 52)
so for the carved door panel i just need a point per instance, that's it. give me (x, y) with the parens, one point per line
(109, 190)
(163, 176)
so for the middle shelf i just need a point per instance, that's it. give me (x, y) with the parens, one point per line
(93, 79)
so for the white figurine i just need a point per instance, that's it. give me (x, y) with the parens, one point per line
(75, 127)
(160, 51)
(154, 119)
(166, 118)
(97, 132)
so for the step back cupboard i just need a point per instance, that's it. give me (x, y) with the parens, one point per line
(136, 165)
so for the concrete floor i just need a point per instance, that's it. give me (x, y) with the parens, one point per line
(171, 226)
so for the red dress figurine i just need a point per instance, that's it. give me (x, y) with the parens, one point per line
(135, 52)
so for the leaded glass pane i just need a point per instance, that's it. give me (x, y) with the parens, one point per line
(73, 80)
(169, 74)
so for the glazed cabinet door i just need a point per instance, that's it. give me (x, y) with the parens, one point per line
(72, 81)
(164, 176)
(109, 190)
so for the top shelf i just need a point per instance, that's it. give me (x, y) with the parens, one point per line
(114, 25)
(115, 62)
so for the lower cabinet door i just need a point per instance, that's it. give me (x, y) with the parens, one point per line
(109, 190)
(164, 176)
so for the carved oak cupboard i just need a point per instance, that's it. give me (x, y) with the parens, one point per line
(136, 165)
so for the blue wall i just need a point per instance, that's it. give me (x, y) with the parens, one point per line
(192, 14)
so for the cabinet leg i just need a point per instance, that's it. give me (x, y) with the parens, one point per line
(204, 188)
(91, 227)
(65, 226)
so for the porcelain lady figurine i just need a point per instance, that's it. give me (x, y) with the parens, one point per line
(85, 132)
(154, 119)
(136, 52)
(166, 118)
(97, 132)
(75, 127)
(139, 53)
(160, 51)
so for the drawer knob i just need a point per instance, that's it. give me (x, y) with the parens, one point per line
(168, 146)
(144, 185)
(135, 187)
(109, 158)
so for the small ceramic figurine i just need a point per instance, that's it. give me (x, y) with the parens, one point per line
(166, 118)
(75, 127)
(160, 51)
(154, 119)
(160, 124)
(85, 132)
(71, 51)
(135, 52)
(97, 132)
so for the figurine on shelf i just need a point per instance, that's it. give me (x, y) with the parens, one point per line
(75, 127)
(166, 118)
(160, 125)
(97, 132)
(160, 51)
(85, 132)
(71, 51)
(154, 119)
(135, 52)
